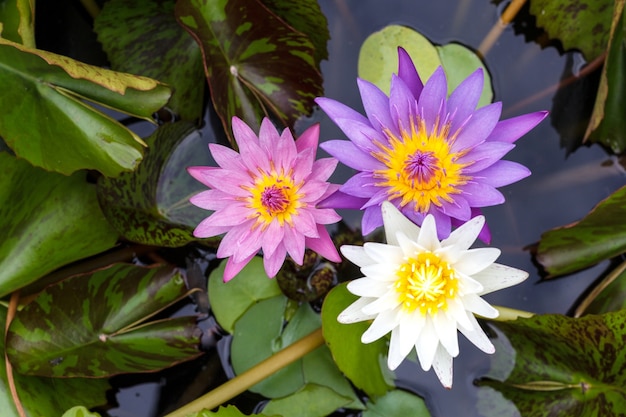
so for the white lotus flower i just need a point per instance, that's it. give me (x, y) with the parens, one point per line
(423, 290)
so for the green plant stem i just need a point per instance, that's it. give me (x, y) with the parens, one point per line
(253, 375)
(508, 314)
(92, 8)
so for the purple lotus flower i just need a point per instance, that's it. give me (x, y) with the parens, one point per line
(265, 197)
(423, 151)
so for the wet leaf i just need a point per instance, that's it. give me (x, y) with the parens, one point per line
(607, 295)
(228, 411)
(230, 300)
(607, 125)
(43, 209)
(598, 236)
(578, 24)
(378, 57)
(142, 37)
(42, 396)
(48, 93)
(151, 205)
(349, 353)
(459, 62)
(255, 63)
(17, 19)
(397, 403)
(95, 325)
(557, 365)
(79, 411)
(309, 401)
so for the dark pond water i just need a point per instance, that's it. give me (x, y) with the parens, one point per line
(561, 190)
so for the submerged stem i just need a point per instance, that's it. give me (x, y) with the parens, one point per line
(507, 16)
(257, 373)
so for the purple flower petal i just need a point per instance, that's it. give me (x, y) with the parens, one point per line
(512, 129)
(341, 200)
(482, 195)
(323, 245)
(464, 99)
(408, 73)
(348, 154)
(372, 218)
(502, 173)
(339, 111)
(376, 105)
(432, 101)
(402, 104)
(478, 127)
(484, 155)
(360, 185)
(458, 209)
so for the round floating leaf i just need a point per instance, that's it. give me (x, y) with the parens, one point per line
(228, 411)
(350, 354)
(47, 93)
(79, 411)
(378, 57)
(142, 37)
(151, 205)
(229, 300)
(557, 365)
(458, 62)
(309, 401)
(40, 210)
(578, 24)
(255, 63)
(397, 403)
(95, 325)
(599, 235)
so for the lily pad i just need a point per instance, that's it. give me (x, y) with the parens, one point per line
(378, 57)
(151, 205)
(309, 401)
(349, 353)
(397, 403)
(557, 365)
(142, 37)
(79, 411)
(255, 63)
(48, 93)
(95, 325)
(228, 411)
(599, 235)
(230, 300)
(578, 24)
(42, 209)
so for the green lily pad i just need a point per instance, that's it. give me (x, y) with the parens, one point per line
(255, 63)
(557, 365)
(309, 401)
(459, 62)
(151, 205)
(41, 210)
(142, 37)
(350, 354)
(599, 235)
(397, 403)
(17, 19)
(47, 93)
(42, 396)
(578, 24)
(378, 57)
(230, 300)
(79, 411)
(95, 325)
(228, 411)
(608, 125)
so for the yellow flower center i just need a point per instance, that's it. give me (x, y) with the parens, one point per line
(425, 282)
(274, 196)
(420, 167)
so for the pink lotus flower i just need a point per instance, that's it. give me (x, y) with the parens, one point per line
(423, 151)
(265, 198)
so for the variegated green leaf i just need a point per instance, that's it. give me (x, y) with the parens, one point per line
(95, 325)
(18, 21)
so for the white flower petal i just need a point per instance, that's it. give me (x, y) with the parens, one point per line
(475, 260)
(402, 341)
(381, 272)
(426, 345)
(456, 310)
(498, 276)
(428, 235)
(367, 287)
(446, 332)
(354, 312)
(477, 305)
(443, 367)
(356, 255)
(477, 336)
(386, 302)
(382, 253)
(467, 284)
(382, 324)
(466, 234)
(395, 222)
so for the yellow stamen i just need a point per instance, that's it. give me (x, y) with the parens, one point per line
(425, 282)
(274, 196)
(420, 166)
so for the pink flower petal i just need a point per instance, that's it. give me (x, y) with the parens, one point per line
(309, 138)
(323, 245)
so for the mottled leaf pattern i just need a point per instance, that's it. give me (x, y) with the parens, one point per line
(45, 209)
(598, 236)
(255, 63)
(94, 325)
(142, 37)
(151, 205)
(17, 20)
(557, 365)
(578, 24)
